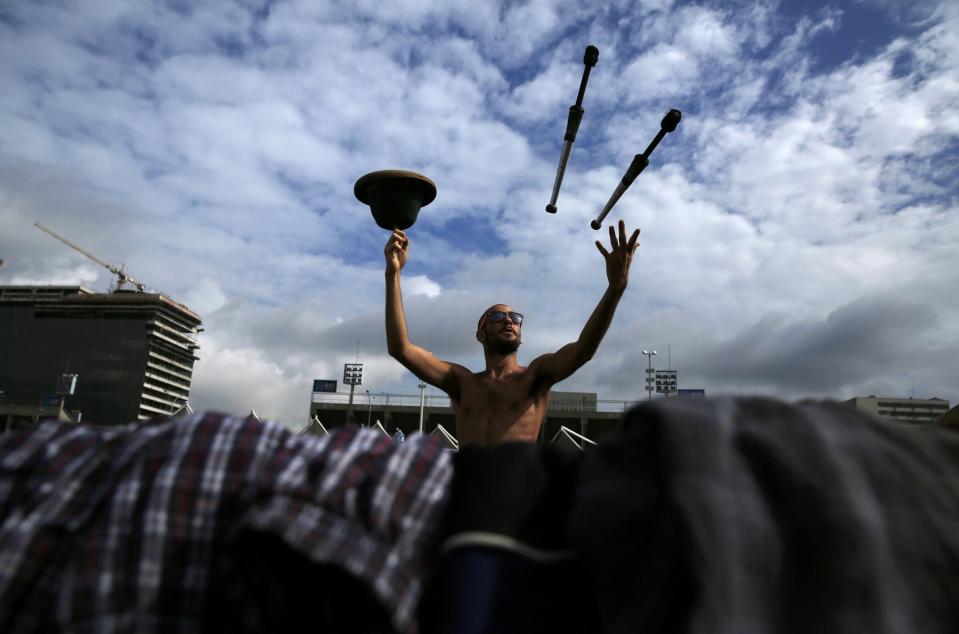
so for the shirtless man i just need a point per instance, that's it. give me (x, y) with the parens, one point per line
(506, 401)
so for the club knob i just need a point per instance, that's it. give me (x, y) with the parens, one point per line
(591, 56)
(671, 120)
(596, 224)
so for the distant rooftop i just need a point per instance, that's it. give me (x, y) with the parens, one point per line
(81, 294)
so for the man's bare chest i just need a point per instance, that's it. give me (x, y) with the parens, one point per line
(509, 394)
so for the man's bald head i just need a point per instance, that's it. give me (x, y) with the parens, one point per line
(503, 336)
(485, 316)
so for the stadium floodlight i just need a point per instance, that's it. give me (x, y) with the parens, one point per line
(353, 374)
(649, 373)
(666, 382)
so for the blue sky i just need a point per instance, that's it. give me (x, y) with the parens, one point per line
(798, 228)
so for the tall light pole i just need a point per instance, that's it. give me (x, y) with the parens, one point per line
(649, 373)
(422, 387)
(352, 376)
(369, 411)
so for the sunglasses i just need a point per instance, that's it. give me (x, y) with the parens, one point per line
(497, 316)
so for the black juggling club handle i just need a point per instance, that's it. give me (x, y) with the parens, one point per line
(639, 163)
(572, 125)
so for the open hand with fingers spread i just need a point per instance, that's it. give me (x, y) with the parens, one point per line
(620, 256)
(396, 251)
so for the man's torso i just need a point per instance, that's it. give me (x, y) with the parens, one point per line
(492, 410)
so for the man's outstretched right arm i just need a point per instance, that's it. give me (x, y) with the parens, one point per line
(417, 360)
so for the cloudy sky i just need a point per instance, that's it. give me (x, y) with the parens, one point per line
(798, 229)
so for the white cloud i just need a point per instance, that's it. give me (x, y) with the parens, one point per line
(237, 380)
(421, 285)
(663, 71)
(545, 95)
(215, 155)
(205, 297)
(706, 33)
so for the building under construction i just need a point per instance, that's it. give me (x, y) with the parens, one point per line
(132, 352)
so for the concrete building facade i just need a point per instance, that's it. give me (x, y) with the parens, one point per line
(133, 352)
(580, 412)
(918, 411)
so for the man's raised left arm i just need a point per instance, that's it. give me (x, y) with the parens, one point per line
(556, 366)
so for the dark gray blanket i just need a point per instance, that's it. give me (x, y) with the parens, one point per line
(752, 515)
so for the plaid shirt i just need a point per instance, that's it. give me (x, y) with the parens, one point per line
(119, 529)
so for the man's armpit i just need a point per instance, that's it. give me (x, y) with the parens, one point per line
(540, 369)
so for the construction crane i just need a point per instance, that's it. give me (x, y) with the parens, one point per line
(122, 277)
